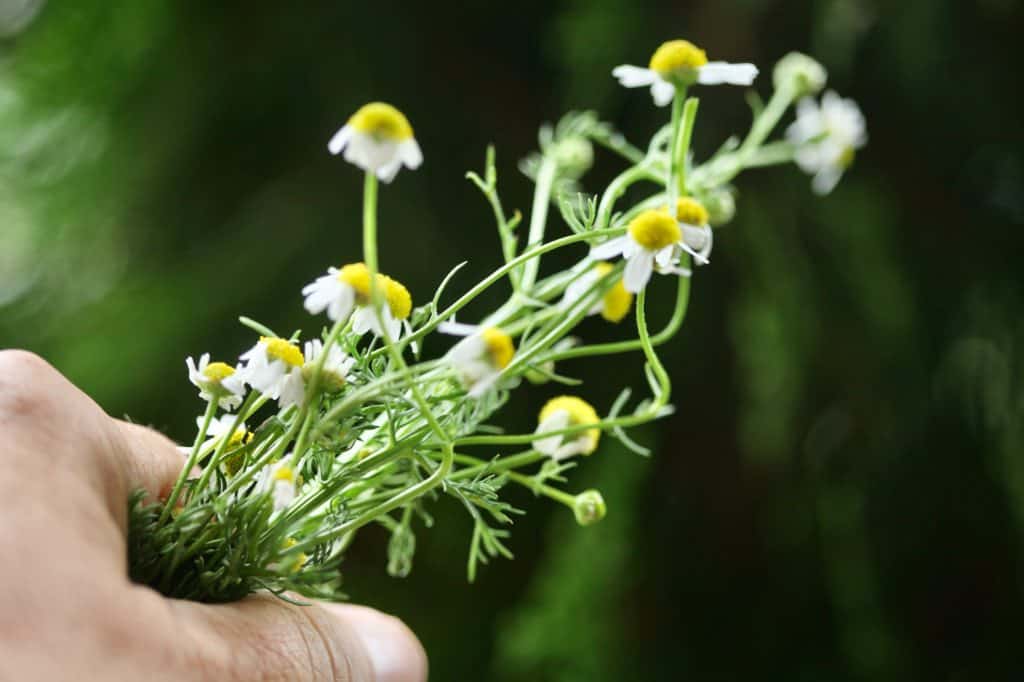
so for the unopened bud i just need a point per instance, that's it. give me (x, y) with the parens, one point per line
(803, 75)
(589, 507)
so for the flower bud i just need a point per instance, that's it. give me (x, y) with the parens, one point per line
(721, 205)
(803, 75)
(536, 376)
(589, 507)
(574, 156)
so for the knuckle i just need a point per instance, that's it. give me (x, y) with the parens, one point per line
(23, 380)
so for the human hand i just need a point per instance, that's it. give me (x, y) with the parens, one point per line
(69, 610)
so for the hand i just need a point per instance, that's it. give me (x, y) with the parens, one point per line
(69, 611)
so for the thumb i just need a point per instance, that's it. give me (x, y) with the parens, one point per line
(263, 637)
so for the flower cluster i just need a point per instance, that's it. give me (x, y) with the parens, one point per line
(305, 439)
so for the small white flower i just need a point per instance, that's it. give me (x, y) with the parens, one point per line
(343, 290)
(335, 369)
(693, 221)
(219, 427)
(681, 63)
(216, 381)
(378, 138)
(561, 413)
(480, 357)
(281, 481)
(650, 244)
(826, 138)
(613, 305)
(274, 368)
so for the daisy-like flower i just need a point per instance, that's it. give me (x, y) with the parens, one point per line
(650, 243)
(219, 427)
(827, 137)
(694, 223)
(561, 413)
(216, 381)
(480, 357)
(680, 63)
(274, 367)
(335, 369)
(343, 290)
(282, 482)
(395, 314)
(378, 138)
(613, 305)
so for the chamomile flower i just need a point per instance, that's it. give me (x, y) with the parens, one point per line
(694, 223)
(338, 291)
(561, 413)
(394, 314)
(334, 372)
(378, 139)
(827, 136)
(274, 367)
(650, 244)
(216, 381)
(613, 306)
(480, 357)
(680, 63)
(282, 481)
(219, 428)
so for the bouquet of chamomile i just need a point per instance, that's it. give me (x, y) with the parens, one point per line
(304, 440)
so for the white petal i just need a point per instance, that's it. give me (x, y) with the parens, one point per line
(609, 249)
(340, 139)
(662, 91)
(715, 73)
(638, 271)
(825, 180)
(410, 153)
(555, 422)
(635, 76)
(454, 328)
(388, 171)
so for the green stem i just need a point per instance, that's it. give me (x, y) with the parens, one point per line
(538, 218)
(211, 409)
(683, 148)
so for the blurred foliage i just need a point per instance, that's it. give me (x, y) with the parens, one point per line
(841, 493)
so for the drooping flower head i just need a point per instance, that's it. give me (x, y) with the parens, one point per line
(651, 240)
(378, 139)
(561, 413)
(694, 224)
(680, 63)
(394, 314)
(216, 381)
(345, 289)
(333, 373)
(480, 357)
(274, 367)
(827, 137)
(613, 306)
(282, 481)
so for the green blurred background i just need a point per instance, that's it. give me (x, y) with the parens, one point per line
(840, 495)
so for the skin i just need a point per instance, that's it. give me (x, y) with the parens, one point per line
(68, 609)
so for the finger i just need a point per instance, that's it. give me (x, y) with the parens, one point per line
(150, 460)
(262, 637)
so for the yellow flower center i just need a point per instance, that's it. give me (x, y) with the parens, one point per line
(284, 473)
(399, 299)
(677, 56)
(499, 346)
(357, 276)
(218, 371)
(285, 351)
(240, 436)
(691, 212)
(382, 121)
(616, 301)
(846, 158)
(580, 413)
(654, 230)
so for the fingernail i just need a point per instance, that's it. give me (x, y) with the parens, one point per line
(394, 651)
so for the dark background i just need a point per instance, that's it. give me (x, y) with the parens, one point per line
(840, 495)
